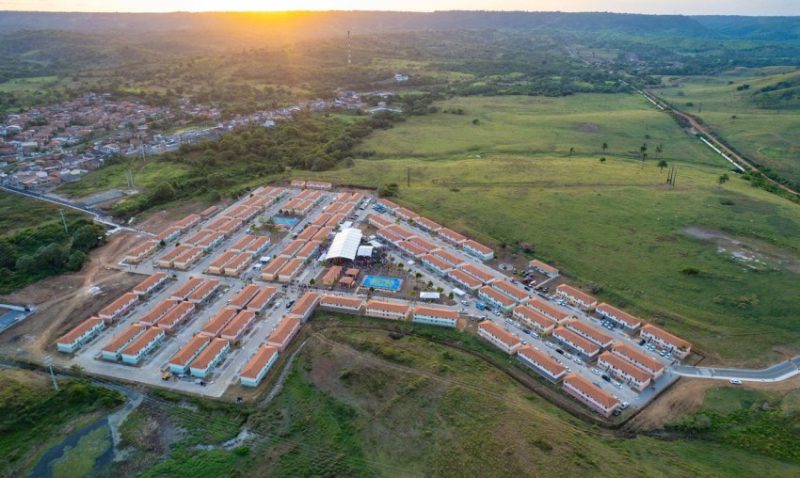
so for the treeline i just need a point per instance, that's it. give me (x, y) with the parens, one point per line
(311, 141)
(32, 254)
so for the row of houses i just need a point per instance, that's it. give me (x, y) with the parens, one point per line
(550, 368)
(662, 339)
(469, 246)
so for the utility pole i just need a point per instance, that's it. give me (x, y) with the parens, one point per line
(48, 360)
(63, 221)
(349, 50)
(408, 177)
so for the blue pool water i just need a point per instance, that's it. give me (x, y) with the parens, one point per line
(392, 284)
(285, 221)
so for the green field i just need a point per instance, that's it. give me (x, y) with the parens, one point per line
(767, 131)
(359, 403)
(18, 212)
(615, 226)
(541, 126)
(146, 174)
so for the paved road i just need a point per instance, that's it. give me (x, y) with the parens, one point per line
(97, 215)
(776, 373)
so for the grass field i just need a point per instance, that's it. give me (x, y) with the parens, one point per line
(362, 404)
(614, 225)
(541, 126)
(18, 212)
(771, 136)
(146, 174)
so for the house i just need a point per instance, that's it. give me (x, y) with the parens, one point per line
(204, 292)
(216, 266)
(284, 332)
(435, 264)
(549, 310)
(590, 333)
(499, 337)
(495, 298)
(464, 280)
(387, 310)
(640, 359)
(239, 326)
(169, 234)
(142, 345)
(186, 289)
(545, 269)
(534, 320)
(387, 205)
(377, 221)
(305, 306)
(575, 342)
(214, 326)
(308, 233)
(179, 363)
(319, 185)
(169, 257)
(259, 364)
(406, 214)
(119, 307)
(323, 234)
(590, 394)
(261, 300)
(188, 258)
(427, 225)
(619, 317)
(478, 250)
(238, 264)
(120, 341)
(518, 294)
(270, 272)
(152, 316)
(175, 317)
(240, 300)
(411, 249)
(331, 276)
(212, 355)
(259, 245)
(435, 316)
(452, 236)
(151, 284)
(452, 259)
(298, 183)
(292, 248)
(83, 333)
(342, 303)
(140, 252)
(481, 273)
(624, 370)
(290, 270)
(188, 222)
(308, 250)
(576, 296)
(666, 341)
(541, 362)
(210, 241)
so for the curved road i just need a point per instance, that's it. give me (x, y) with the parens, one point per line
(776, 373)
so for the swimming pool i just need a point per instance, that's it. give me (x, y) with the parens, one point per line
(391, 284)
(285, 220)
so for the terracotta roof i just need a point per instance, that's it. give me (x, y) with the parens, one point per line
(462, 276)
(436, 312)
(548, 309)
(80, 330)
(500, 333)
(676, 342)
(150, 282)
(571, 337)
(576, 293)
(498, 296)
(188, 287)
(592, 333)
(645, 360)
(396, 307)
(547, 268)
(585, 386)
(209, 354)
(627, 367)
(535, 316)
(141, 342)
(284, 330)
(544, 360)
(118, 304)
(218, 322)
(189, 350)
(510, 289)
(307, 301)
(630, 320)
(238, 324)
(259, 360)
(479, 272)
(478, 246)
(244, 296)
(341, 301)
(263, 297)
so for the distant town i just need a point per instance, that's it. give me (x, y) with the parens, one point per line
(50, 145)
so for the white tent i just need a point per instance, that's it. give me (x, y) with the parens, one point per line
(345, 244)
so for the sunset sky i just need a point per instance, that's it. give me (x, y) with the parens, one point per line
(738, 7)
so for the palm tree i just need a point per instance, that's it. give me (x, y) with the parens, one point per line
(662, 164)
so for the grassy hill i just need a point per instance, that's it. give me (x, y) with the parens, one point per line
(359, 403)
(756, 111)
(613, 226)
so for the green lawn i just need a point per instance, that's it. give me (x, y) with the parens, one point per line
(769, 136)
(615, 225)
(146, 174)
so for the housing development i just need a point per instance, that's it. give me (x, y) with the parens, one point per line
(221, 301)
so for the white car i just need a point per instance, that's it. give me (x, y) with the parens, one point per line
(735, 381)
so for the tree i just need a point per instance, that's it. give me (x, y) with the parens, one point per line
(571, 151)
(659, 149)
(85, 238)
(8, 254)
(76, 260)
(25, 264)
(643, 150)
(51, 256)
(723, 179)
(662, 164)
(605, 146)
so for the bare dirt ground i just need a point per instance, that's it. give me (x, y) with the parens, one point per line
(686, 397)
(66, 300)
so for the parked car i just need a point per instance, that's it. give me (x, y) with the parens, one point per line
(606, 378)
(560, 351)
(735, 381)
